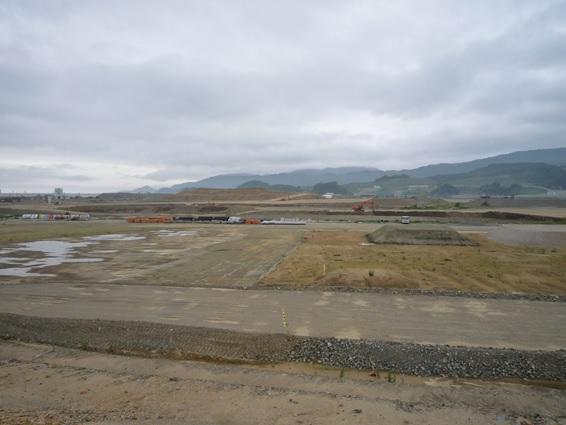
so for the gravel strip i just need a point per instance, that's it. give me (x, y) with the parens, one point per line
(147, 339)
(423, 292)
(184, 342)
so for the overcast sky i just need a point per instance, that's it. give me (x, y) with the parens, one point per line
(108, 95)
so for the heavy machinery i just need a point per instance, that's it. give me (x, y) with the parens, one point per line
(368, 204)
(251, 220)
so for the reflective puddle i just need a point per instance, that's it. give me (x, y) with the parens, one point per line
(114, 237)
(53, 253)
(14, 262)
(169, 233)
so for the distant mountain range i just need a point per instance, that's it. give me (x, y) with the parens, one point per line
(356, 176)
(494, 179)
(546, 156)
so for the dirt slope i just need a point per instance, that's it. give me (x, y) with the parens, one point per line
(205, 195)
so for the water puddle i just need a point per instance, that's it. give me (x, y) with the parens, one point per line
(13, 260)
(169, 233)
(22, 272)
(53, 253)
(114, 237)
(162, 251)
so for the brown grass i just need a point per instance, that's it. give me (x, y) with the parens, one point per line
(328, 258)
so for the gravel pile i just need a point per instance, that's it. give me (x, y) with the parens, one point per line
(432, 360)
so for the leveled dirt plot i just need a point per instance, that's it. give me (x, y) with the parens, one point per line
(538, 203)
(530, 235)
(177, 255)
(207, 195)
(345, 259)
(242, 256)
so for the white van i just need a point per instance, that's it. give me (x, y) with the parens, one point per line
(405, 219)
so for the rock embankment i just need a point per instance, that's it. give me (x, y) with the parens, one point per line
(185, 342)
(432, 360)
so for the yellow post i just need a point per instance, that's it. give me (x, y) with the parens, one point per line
(284, 318)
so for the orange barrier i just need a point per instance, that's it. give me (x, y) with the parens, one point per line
(150, 219)
(252, 221)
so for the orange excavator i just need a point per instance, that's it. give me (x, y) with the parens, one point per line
(368, 204)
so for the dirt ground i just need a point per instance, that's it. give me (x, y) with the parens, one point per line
(531, 203)
(207, 195)
(13, 231)
(530, 235)
(51, 385)
(331, 258)
(316, 255)
(178, 255)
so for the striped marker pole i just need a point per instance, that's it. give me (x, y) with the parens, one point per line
(284, 318)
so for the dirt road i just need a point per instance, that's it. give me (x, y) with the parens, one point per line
(530, 235)
(529, 325)
(51, 385)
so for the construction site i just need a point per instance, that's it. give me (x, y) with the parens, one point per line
(408, 299)
(283, 212)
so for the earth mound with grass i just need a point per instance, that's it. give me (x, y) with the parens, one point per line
(412, 234)
(218, 195)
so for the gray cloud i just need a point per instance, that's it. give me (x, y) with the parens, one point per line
(35, 175)
(138, 94)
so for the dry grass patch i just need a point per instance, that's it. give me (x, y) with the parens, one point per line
(329, 258)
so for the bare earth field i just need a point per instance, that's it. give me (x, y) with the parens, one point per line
(42, 385)
(530, 235)
(12, 231)
(317, 255)
(76, 283)
(179, 255)
(214, 195)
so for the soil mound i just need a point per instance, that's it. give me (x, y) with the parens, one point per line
(418, 235)
(206, 195)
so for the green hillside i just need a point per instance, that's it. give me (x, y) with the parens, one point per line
(258, 184)
(494, 179)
